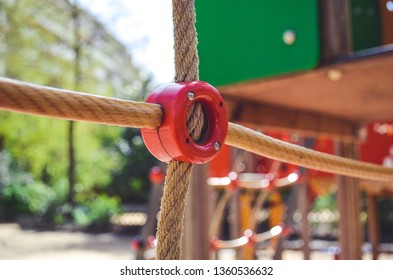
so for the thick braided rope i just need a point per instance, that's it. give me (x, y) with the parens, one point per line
(185, 38)
(38, 100)
(261, 144)
(171, 222)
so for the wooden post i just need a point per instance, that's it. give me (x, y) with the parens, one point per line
(335, 29)
(303, 207)
(151, 223)
(373, 225)
(246, 252)
(387, 22)
(304, 204)
(245, 205)
(278, 241)
(348, 202)
(234, 220)
(196, 236)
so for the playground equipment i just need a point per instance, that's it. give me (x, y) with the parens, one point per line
(325, 101)
(286, 40)
(260, 185)
(234, 41)
(324, 94)
(144, 243)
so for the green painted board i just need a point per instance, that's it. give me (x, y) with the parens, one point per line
(243, 40)
(366, 25)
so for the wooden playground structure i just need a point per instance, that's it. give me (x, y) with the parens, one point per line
(315, 71)
(343, 82)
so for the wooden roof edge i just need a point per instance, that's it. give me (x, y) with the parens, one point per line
(308, 124)
(347, 60)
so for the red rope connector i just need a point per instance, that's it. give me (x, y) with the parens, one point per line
(171, 140)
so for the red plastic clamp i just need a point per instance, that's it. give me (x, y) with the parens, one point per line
(171, 141)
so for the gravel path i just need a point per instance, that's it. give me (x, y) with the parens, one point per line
(17, 244)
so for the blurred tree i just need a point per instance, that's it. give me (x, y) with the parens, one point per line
(58, 44)
(131, 180)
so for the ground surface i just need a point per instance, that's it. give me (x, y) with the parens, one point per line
(18, 244)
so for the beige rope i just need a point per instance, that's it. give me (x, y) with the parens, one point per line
(45, 101)
(170, 224)
(263, 145)
(50, 102)
(185, 38)
(173, 202)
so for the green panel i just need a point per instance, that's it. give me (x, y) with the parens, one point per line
(243, 40)
(366, 26)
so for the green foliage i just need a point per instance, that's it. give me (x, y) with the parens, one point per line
(36, 197)
(56, 44)
(131, 180)
(21, 194)
(95, 154)
(327, 201)
(37, 144)
(97, 211)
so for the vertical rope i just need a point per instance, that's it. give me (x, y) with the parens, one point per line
(171, 221)
(185, 36)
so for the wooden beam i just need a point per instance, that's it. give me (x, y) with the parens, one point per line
(309, 124)
(304, 207)
(348, 200)
(387, 22)
(149, 229)
(373, 225)
(376, 188)
(196, 229)
(335, 29)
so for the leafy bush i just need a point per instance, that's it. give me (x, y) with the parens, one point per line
(21, 194)
(36, 197)
(97, 211)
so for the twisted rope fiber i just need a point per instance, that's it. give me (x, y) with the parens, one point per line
(38, 100)
(50, 102)
(252, 141)
(173, 202)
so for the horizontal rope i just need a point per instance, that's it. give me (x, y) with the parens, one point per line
(51, 102)
(256, 142)
(44, 101)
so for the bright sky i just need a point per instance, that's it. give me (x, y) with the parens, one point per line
(145, 26)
